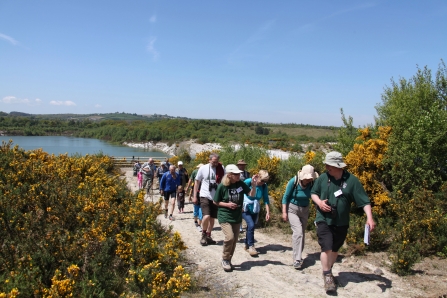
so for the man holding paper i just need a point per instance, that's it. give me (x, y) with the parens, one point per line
(333, 192)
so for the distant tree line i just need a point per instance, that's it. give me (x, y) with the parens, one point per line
(112, 128)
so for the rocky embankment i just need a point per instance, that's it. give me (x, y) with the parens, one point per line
(193, 148)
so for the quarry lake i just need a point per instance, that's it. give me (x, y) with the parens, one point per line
(82, 146)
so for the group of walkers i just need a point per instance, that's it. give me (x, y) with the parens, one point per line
(230, 195)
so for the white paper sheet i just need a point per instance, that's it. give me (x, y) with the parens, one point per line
(366, 236)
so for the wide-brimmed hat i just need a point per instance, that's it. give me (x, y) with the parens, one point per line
(334, 159)
(232, 169)
(241, 162)
(307, 172)
(199, 165)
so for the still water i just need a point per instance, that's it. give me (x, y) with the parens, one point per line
(61, 145)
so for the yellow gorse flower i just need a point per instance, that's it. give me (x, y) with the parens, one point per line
(77, 222)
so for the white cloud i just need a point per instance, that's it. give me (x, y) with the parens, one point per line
(153, 19)
(15, 100)
(98, 106)
(62, 103)
(151, 48)
(8, 38)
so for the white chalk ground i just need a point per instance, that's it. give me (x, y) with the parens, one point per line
(193, 148)
(271, 274)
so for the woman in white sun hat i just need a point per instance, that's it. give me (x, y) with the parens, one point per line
(229, 197)
(295, 209)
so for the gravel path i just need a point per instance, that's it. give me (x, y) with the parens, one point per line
(271, 273)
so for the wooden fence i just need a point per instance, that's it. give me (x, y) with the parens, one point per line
(128, 162)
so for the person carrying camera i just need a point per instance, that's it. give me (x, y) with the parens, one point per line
(207, 179)
(333, 192)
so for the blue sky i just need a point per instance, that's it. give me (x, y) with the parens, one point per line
(272, 61)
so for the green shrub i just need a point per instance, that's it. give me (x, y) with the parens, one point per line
(69, 226)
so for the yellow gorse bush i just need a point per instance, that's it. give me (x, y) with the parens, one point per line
(365, 162)
(69, 226)
(204, 156)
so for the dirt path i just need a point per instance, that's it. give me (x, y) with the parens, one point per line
(271, 273)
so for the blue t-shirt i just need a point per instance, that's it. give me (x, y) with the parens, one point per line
(261, 193)
(297, 196)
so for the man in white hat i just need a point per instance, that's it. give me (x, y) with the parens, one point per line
(333, 192)
(183, 173)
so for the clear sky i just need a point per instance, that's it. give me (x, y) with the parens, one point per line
(273, 61)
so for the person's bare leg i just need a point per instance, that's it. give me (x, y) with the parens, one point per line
(172, 205)
(210, 225)
(205, 222)
(328, 259)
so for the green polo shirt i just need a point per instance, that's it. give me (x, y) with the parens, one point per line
(352, 191)
(233, 193)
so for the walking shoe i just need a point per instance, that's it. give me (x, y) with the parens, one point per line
(226, 265)
(166, 213)
(232, 267)
(203, 241)
(199, 228)
(210, 240)
(252, 251)
(171, 217)
(329, 284)
(297, 264)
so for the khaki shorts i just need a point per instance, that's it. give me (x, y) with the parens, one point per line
(208, 207)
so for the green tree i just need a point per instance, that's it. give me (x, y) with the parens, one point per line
(346, 135)
(416, 111)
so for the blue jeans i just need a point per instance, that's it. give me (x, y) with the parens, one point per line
(250, 219)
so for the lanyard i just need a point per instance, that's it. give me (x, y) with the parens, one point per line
(329, 184)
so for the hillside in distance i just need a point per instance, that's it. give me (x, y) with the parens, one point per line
(127, 127)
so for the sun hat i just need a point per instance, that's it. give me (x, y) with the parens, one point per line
(199, 165)
(232, 169)
(180, 163)
(334, 159)
(163, 163)
(241, 162)
(307, 172)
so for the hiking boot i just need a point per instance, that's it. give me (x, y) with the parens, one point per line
(210, 240)
(252, 251)
(226, 265)
(203, 241)
(297, 264)
(329, 283)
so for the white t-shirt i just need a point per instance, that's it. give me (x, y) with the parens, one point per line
(207, 175)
